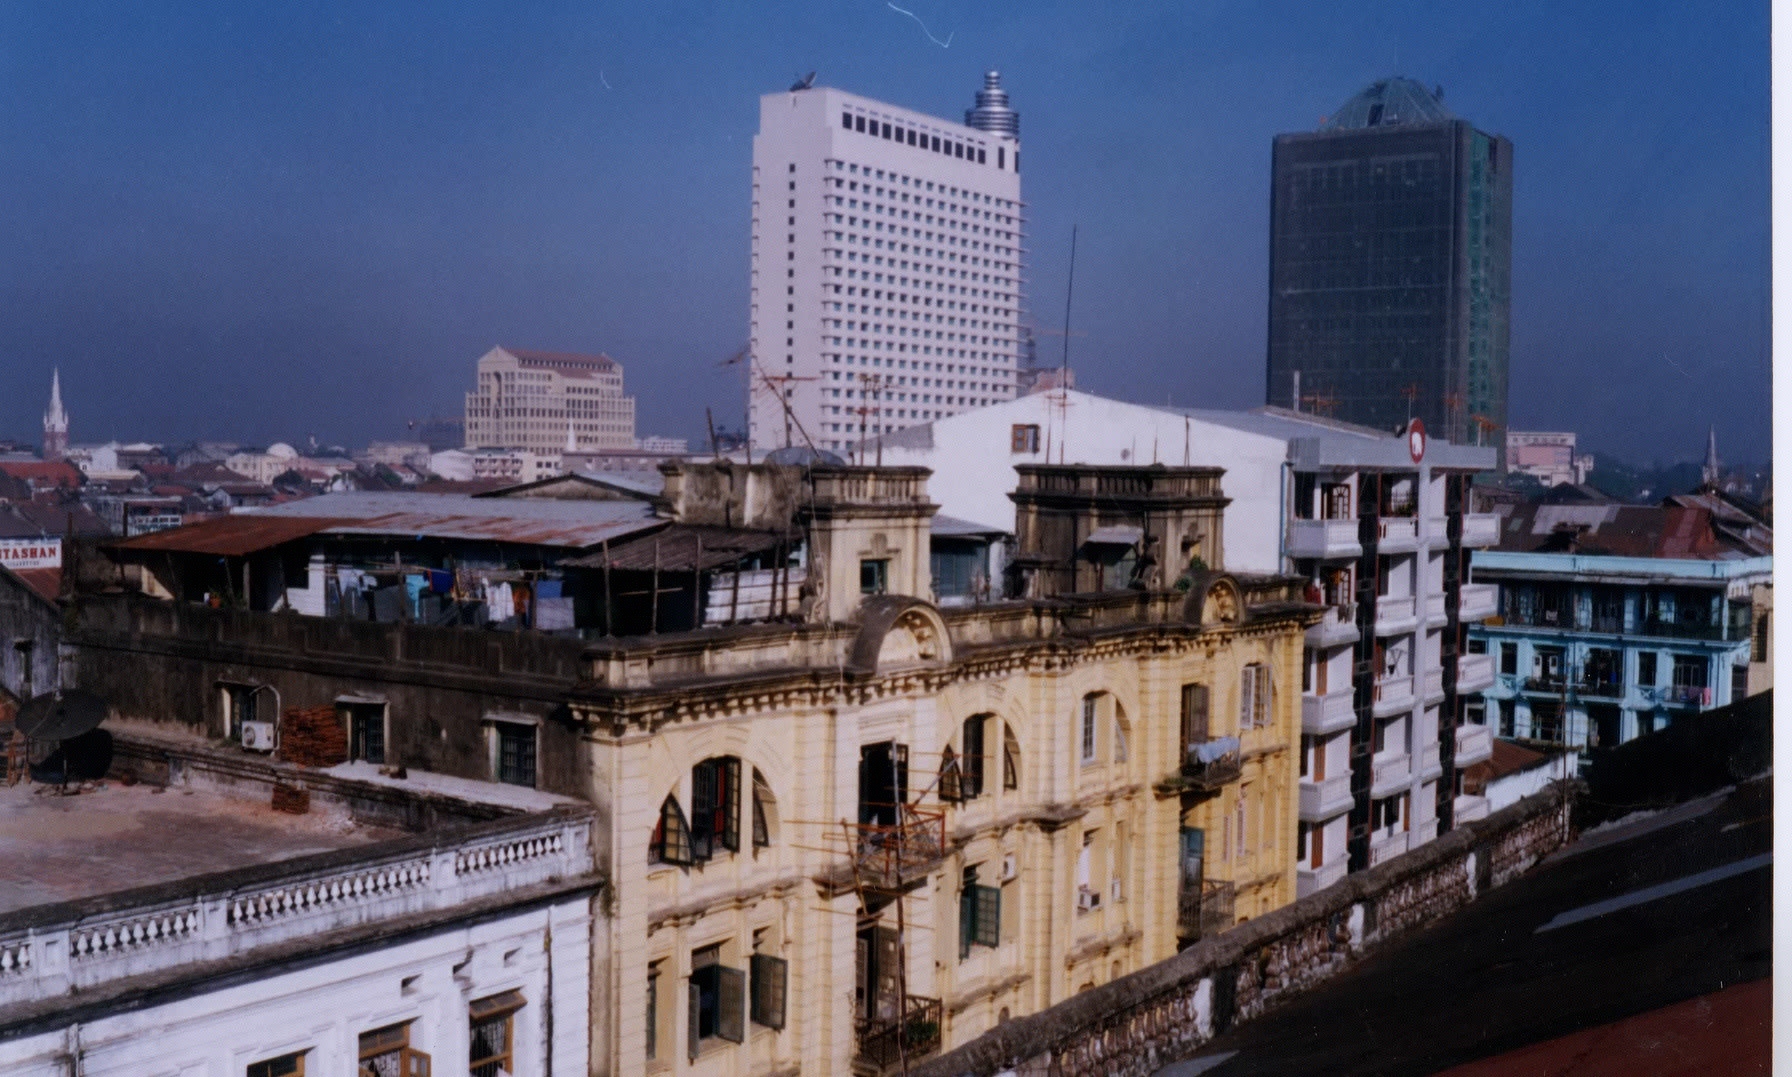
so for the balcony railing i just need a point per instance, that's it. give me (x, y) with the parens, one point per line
(1324, 799)
(914, 1034)
(1434, 684)
(1694, 694)
(1681, 629)
(1398, 533)
(1473, 672)
(1395, 614)
(1554, 686)
(1469, 808)
(1329, 713)
(1393, 693)
(1207, 765)
(1474, 743)
(1601, 688)
(890, 856)
(1207, 911)
(1323, 538)
(1309, 880)
(1479, 601)
(1391, 771)
(1384, 846)
(1430, 762)
(1435, 608)
(1337, 627)
(1480, 529)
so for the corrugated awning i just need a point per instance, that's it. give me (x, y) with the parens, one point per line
(1119, 535)
(230, 536)
(682, 548)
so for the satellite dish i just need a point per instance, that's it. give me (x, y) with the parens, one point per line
(804, 83)
(61, 715)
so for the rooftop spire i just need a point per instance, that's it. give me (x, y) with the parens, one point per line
(55, 421)
(1709, 473)
(992, 113)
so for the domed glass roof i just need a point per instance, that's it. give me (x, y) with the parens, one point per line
(1388, 102)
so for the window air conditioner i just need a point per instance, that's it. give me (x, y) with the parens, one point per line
(1087, 899)
(258, 736)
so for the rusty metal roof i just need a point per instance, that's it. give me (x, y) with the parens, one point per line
(683, 548)
(523, 521)
(230, 536)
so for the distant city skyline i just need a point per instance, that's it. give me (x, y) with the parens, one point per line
(311, 221)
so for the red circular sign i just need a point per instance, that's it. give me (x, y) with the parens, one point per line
(1415, 439)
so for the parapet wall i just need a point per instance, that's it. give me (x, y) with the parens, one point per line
(1138, 1024)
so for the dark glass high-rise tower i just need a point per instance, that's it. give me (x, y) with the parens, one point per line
(1390, 266)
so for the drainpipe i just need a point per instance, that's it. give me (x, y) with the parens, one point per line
(1282, 516)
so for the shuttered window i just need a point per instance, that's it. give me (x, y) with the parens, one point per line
(671, 841)
(771, 977)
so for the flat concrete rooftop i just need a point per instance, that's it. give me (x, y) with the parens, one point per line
(118, 837)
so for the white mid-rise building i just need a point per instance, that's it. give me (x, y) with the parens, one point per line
(886, 269)
(549, 403)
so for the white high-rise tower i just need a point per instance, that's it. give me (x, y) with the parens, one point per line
(55, 421)
(886, 275)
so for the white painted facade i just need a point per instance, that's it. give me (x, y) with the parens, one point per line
(973, 456)
(320, 1010)
(885, 267)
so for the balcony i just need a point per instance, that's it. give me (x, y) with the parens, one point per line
(1474, 672)
(1546, 685)
(1694, 695)
(1394, 616)
(1323, 799)
(1681, 629)
(1398, 534)
(1392, 774)
(1437, 531)
(1308, 880)
(1393, 695)
(1336, 629)
(1434, 685)
(1329, 713)
(891, 857)
(1384, 846)
(1600, 688)
(1323, 539)
(1474, 743)
(1479, 601)
(1468, 809)
(1207, 911)
(1208, 765)
(882, 1043)
(1480, 529)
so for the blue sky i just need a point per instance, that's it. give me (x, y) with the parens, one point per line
(263, 222)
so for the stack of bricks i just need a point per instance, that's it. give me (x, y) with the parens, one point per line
(313, 737)
(291, 799)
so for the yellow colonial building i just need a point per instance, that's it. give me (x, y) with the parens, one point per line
(884, 824)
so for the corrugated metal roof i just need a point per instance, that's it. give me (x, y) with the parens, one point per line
(525, 521)
(683, 548)
(229, 536)
(953, 527)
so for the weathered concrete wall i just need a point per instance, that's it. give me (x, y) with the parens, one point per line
(30, 631)
(1137, 1024)
(164, 662)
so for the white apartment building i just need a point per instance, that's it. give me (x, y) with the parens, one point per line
(1381, 528)
(549, 403)
(886, 265)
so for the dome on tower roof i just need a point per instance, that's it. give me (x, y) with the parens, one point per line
(1388, 102)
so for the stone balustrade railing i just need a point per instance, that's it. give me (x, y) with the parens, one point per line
(53, 951)
(1138, 1024)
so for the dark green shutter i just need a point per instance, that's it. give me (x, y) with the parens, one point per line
(731, 1004)
(693, 1027)
(771, 977)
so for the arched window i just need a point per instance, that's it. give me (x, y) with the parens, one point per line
(962, 773)
(671, 841)
(765, 811)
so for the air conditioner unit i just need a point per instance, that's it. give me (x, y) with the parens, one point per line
(1010, 867)
(1087, 899)
(258, 736)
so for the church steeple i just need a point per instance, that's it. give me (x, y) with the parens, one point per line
(1709, 474)
(55, 421)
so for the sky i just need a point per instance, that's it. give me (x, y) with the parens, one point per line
(277, 221)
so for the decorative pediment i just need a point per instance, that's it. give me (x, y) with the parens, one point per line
(899, 632)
